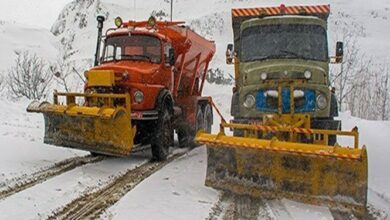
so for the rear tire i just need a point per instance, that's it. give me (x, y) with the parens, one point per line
(186, 134)
(208, 118)
(185, 137)
(199, 123)
(163, 136)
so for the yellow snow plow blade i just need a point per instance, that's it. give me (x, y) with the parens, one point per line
(105, 129)
(310, 173)
(285, 167)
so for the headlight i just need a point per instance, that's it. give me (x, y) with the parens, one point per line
(138, 96)
(264, 76)
(307, 74)
(322, 102)
(118, 22)
(249, 101)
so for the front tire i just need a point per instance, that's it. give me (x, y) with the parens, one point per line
(163, 135)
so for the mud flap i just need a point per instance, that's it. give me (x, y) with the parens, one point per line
(104, 130)
(276, 169)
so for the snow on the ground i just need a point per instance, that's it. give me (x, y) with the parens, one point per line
(289, 210)
(375, 136)
(21, 142)
(177, 191)
(21, 134)
(40, 201)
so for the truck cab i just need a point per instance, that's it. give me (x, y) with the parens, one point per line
(282, 64)
(142, 63)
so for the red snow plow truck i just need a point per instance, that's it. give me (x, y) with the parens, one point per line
(146, 83)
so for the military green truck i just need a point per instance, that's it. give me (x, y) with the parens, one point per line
(272, 45)
(284, 130)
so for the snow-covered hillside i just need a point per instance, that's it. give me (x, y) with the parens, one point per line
(18, 37)
(76, 25)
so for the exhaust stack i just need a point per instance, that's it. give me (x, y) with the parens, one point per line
(100, 20)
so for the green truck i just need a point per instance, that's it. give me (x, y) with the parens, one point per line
(284, 127)
(283, 44)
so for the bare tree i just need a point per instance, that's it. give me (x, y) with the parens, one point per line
(386, 95)
(2, 83)
(362, 86)
(343, 76)
(382, 92)
(29, 77)
(371, 99)
(62, 70)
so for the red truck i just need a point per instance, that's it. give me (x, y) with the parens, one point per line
(146, 83)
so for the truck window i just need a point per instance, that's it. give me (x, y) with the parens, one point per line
(284, 41)
(136, 47)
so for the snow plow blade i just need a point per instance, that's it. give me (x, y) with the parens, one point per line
(104, 130)
(309, 173)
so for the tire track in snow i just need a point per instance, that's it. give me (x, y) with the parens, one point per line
(92, 205)
(18, 184)
(236, 207)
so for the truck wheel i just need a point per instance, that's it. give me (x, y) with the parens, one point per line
(199, 123)
(163, 137)
(208, 118)
(185, 138)
(186, 134)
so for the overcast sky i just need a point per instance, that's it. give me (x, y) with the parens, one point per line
(41, 13)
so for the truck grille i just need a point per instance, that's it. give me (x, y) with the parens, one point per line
(267, 100)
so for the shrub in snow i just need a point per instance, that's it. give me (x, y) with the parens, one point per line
(29, 77)
(217, 76)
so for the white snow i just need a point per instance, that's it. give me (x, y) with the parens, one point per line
(40, 201)
(290, 210)
(40, 13)
(21, 143)
(375, 136)
(177, 191)
(18, 37)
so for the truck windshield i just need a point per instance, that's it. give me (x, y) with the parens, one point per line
(284, 41)
(135, 47)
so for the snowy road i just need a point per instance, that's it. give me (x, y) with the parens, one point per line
(178, 192)
(40, 201)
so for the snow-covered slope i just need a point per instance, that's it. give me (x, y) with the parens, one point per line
(18, 37)
(76, 25)
(40, 13)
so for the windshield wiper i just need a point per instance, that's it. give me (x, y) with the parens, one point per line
(293, 54)
(138, 57)
(262, 57)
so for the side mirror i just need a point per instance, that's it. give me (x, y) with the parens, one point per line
(171, 56)
(339, 52)
(229, 54)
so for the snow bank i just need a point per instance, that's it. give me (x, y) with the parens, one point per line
(375, 136)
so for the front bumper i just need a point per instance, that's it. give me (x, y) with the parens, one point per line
(144, 115)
